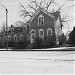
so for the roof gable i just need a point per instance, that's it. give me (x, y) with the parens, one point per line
(38, 11)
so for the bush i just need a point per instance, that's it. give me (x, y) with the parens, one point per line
(39, 43)
(62, 39)
(1, 45)
(18, 45)
(72, 37)
(23, 44)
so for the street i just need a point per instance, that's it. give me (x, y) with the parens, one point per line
(37, 62)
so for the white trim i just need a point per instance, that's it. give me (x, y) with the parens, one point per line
(31, 34)
(32, 40)
(38, 19)
(16, 38)
(35, 14)
(48, 30)
(32, 30)
(43, 33)
(9, 37)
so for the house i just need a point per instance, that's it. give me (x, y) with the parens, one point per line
(15, 34)
(42, 24)
(45, 25)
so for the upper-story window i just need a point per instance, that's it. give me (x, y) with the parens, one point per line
(15, 38)
(12, 28)
(49, 31)
(41, 33)
(9, 38)
(41, 20)
(21, 37)
(24, 27)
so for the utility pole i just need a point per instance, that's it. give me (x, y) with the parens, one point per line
(7, 27)
(6, 24)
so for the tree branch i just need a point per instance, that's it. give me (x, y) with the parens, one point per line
(48, 4)
(59, 8)
(35, 3)
(42, 1)
(25, 11)
(32, 7)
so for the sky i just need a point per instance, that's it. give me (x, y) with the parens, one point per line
(13, 7)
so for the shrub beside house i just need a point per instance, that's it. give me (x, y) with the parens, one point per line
(72, 37)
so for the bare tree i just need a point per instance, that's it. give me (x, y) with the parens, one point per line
(46, 4)
(3, 28)
(34, 5)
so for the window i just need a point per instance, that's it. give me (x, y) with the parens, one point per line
(32, 35)
(0, 39)
(21, 37)
(32, 31)
(12, 29)
(49, 31)
(4, 38)
(9, 38)
(15, 38)
(24, 27)
(41, 20)
(41, 33)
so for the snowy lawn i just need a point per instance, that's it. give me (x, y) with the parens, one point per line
(37, 62)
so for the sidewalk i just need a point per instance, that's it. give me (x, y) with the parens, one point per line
(48, 49)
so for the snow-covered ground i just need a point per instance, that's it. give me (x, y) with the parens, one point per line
(37, 62)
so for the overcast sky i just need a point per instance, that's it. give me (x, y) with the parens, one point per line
(13, 7)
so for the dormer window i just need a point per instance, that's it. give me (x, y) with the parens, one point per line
(12, 28)
(41, 20)
(25, 27)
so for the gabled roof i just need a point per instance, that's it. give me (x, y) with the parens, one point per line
(56, 14)
(2, 33)
(16, 30)
(38, 10)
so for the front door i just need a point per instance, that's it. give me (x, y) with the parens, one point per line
(32, 38)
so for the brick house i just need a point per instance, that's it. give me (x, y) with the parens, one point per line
(45, 25)
(15, 34)
(42, 24)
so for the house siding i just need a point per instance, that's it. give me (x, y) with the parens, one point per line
(48, 22)
(15, 33)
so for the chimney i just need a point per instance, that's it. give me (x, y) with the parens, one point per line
(12, 26)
